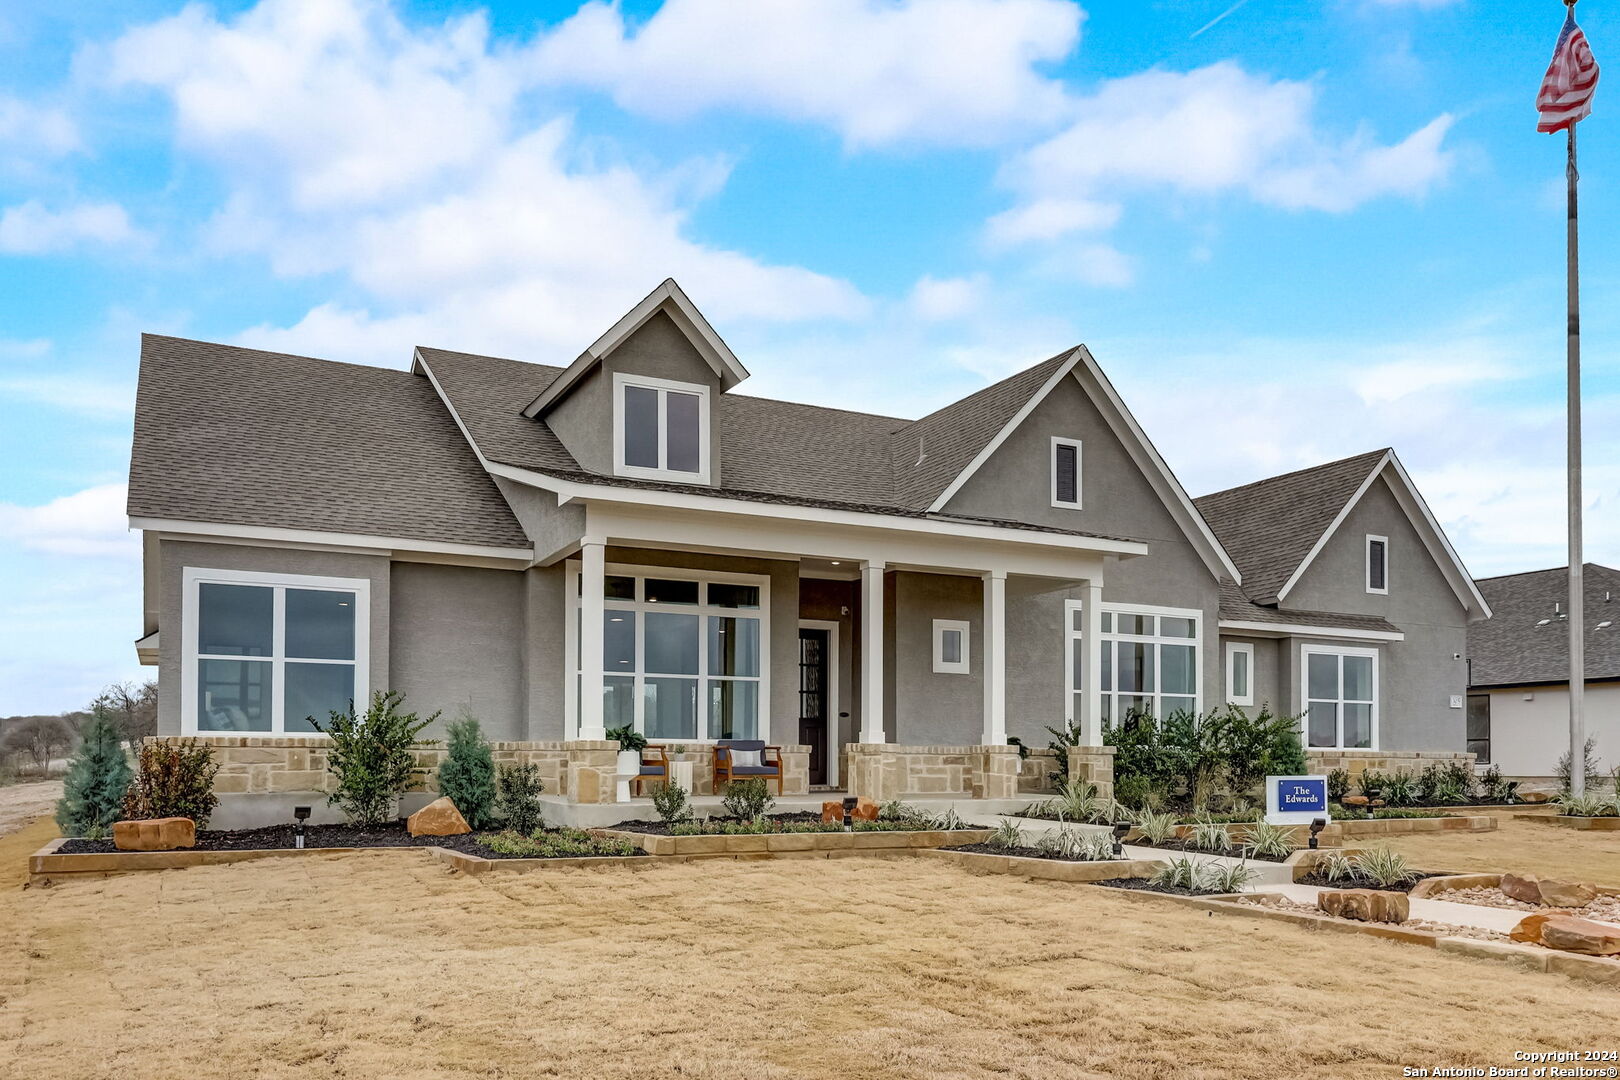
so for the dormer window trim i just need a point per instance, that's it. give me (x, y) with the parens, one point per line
(664, 388)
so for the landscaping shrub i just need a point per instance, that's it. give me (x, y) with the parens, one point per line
(1594, 775)
(1496, 788)
(1156, 828)
(1401, 790)
(1371, 783)
(371, 757)
(1336, 866)
(1338, 784)
(1589, 806)
(1217, 758)
(1063, 738)
(1211, 836)
(1384, 867)
(1139, 793)
(1178, 873)
(1259, 746)
(517, 797)
(748, 798)
(564, 843)
(97, 780)
(627, 737)
(173, 780)
(1270, 841)
(467, 774)
(1007, 835)
(669, 799)
(1076, 801)
(1226, 877)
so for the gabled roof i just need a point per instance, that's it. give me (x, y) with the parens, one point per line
(1525, 642)
(242, 437)
(1276, 527)
(670, 299)
(1239, 613)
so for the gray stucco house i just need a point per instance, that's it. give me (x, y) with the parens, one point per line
(887, 599)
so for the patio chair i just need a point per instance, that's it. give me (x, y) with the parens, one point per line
(726, 770)
(657, 769)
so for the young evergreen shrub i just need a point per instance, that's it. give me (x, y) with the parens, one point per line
(669, 799)
(467, 775)
(173, 780)
(517, 797)
(1338, 781)
(747, 799)
(97, 780)
(371, 757)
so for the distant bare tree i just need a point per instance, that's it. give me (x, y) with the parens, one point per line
(132, 706)
(38, 739)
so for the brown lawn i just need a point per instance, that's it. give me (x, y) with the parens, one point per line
(387, 965)
(1518, 845)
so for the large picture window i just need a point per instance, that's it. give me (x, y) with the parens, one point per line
(1341, 696)
(1150, 660)
(683, 655)
(265, 653)
(660, 429)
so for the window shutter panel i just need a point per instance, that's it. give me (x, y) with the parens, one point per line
(1068, 478)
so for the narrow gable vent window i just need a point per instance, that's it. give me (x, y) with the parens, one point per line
(1377, 564)
(1066, 473)
(660, 429)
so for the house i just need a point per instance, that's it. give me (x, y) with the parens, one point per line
(1518, 671)
(887, 599)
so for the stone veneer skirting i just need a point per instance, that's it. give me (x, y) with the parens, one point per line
(582, 770)
(885, 771)
(1355, 762)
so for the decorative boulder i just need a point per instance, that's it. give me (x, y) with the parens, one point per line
(1365, 905)
(832, 811)
(1570, 934)
(1570, 894)
(1522, 887)
(865, 810)
(438, 818)
(1529, 929)
(1355, 800)
(1533, 797)
(157, 834)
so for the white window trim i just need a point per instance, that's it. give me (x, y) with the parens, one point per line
(1367, 550)
(620, 381)
(1305, 654)
(670, 573)
(1079, 485)
(193, 577)
(1071, 635)
(943, 666)
(1233, 649)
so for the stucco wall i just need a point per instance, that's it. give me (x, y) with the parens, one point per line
(1418, 676)
(936, 708)
(456, 643)
(546, 660)
(1266, 676)
(1530, 727)
(583, 419)
(176, 555)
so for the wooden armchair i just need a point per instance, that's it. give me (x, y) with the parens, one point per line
(656, 769)
(769, 768)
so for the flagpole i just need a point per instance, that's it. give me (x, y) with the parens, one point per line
(1577, 639)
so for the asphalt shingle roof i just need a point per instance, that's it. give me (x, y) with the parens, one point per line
(1268, 527)
(1510, 649)
(244, 437)
(1235, 607)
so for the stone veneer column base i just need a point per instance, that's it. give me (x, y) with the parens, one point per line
(1094, 764)
(886, 771)
(593, 766)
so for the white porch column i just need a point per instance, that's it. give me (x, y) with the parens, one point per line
(872, 652)
(1091, 667)
(592, 570)
(995, 658)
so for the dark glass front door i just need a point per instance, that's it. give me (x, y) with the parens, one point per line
(813, 677)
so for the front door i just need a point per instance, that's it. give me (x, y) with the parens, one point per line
(813, 680)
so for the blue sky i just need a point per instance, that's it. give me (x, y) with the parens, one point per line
(1289, 231)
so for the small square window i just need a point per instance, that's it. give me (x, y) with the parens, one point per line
(950, 647)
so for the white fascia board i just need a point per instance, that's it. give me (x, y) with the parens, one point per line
(670, 298)
(1153, 466)
(1006, 430)
(1267, 629)
(1422, 519)
(146, 649)
(782, 511)
(354, 542)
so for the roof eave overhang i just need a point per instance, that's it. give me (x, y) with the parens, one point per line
(1281, 630)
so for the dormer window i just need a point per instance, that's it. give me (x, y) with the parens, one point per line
(660, 429)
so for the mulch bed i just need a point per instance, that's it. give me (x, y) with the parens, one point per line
(281, 837)
(1356, 881)
(659, 828)
(1021, 852)
(1238, 851)
(1146, 885)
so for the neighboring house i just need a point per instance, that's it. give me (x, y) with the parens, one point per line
(889, 599)
(1518, 680)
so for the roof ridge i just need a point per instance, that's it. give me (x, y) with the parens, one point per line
(1562, 568)
(1295, 472)
(988, 387)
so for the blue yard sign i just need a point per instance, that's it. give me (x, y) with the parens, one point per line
(1296, 800)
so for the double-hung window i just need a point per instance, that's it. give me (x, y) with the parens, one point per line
(265, 653)
(683, 654)
(1150, 660)
(1341, 696)
(1066, 473)
(660, 429)
(1378, 564)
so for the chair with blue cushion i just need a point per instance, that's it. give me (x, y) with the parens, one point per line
(657, 769)
(752, 758)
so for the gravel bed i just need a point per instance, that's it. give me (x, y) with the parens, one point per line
(1283, 903)
(1604, 908)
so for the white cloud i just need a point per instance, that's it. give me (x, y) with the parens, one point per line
(397, 156)
(89, 394)
(30, 229)
(876, 71)
(91, 523)
(30, 128)
(1049, 218)
(1210, 131)
(940, 299)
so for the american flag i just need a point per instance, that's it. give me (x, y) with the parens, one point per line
(1566, 89)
